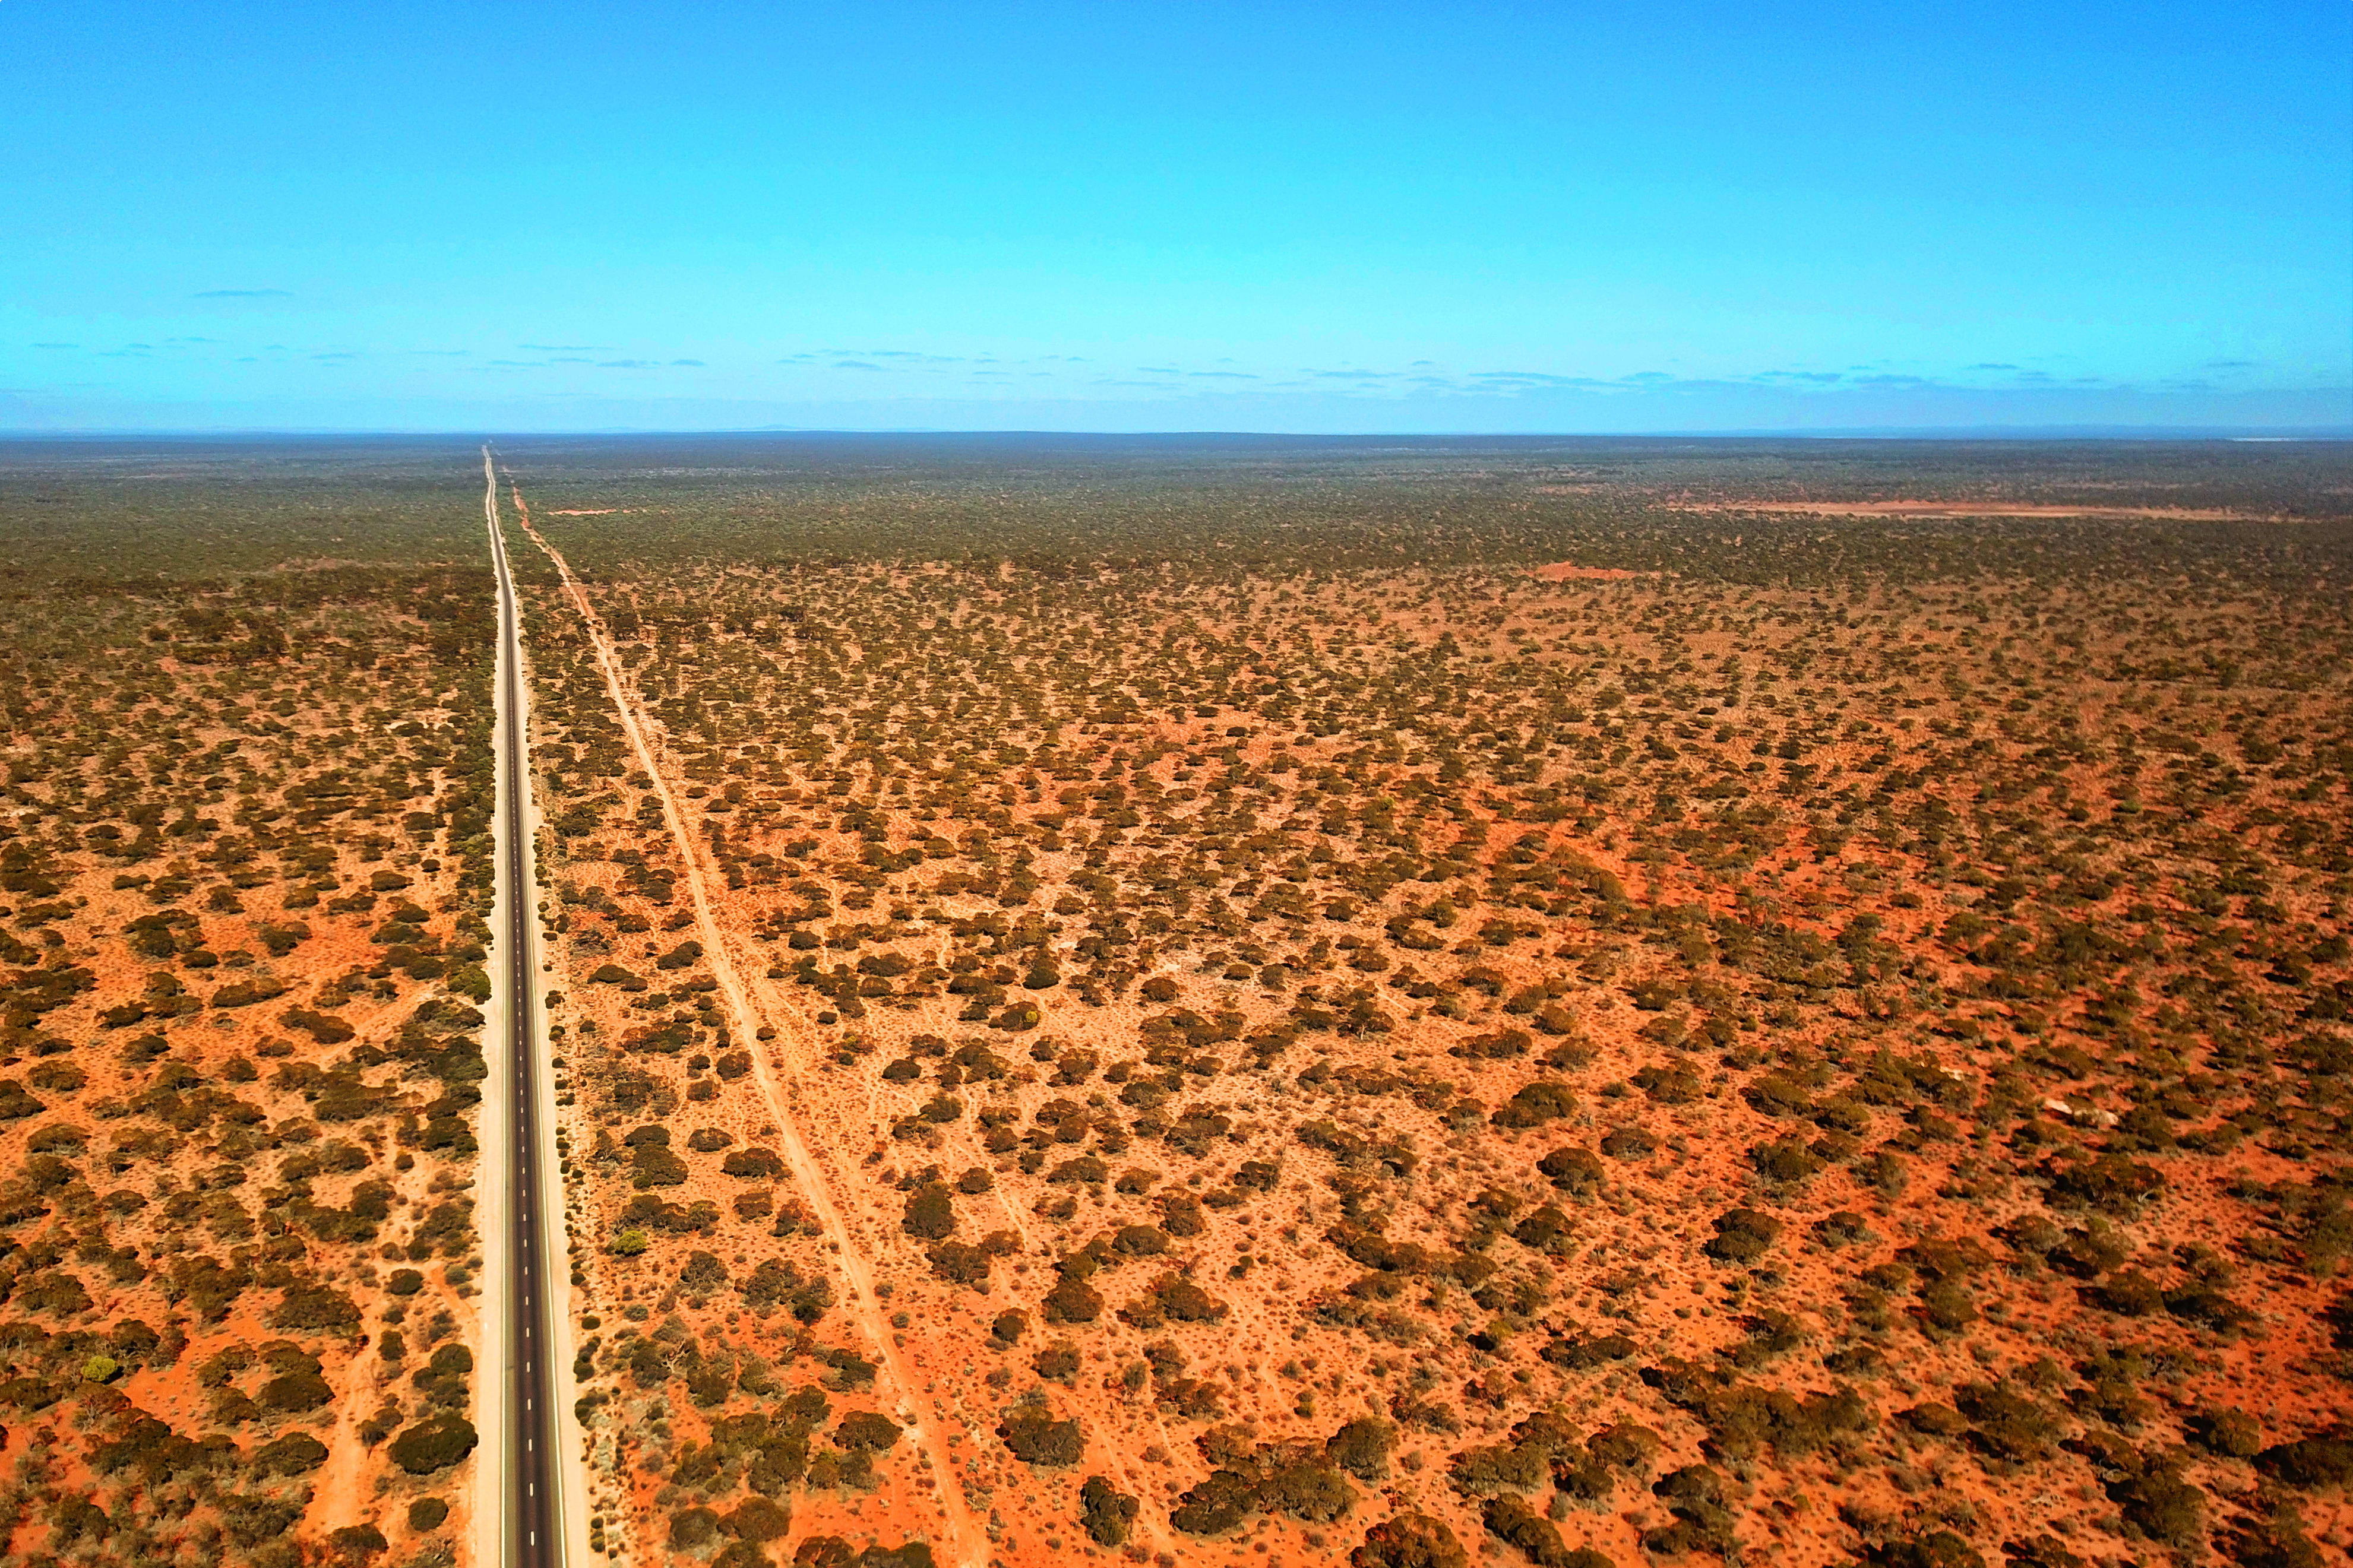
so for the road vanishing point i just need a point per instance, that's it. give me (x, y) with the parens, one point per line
(530, 1476)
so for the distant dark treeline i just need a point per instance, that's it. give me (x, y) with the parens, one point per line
(90, 513)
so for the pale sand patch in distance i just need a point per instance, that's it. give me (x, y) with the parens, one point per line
(1562, 571)
(1969, 509)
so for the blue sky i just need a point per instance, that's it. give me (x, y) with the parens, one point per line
(1459, 216)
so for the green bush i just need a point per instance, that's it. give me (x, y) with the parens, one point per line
(2310, 1461)
(1362, 1447)
(1105, 1512)
(931, 1212)
(867, 1430)
(293, 1454)
(1936, 1548)
(1409, 1541)
(1516, 1524)
(358, 1543)
(1534, 1104)
(1742, 1236)
(1033, 1435)
(433, 1444)
(1216, 1505)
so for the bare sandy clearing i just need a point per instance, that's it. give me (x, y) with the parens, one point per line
(1565, 571)
(1972, 509)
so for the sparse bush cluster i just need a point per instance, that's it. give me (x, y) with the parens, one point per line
(243, 866)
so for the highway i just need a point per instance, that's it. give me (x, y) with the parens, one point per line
(533, 1525)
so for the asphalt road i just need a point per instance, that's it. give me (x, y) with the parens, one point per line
(534, 1533)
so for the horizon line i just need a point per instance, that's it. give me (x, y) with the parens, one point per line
(2056, 431)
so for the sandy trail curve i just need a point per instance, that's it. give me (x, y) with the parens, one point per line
(967, 1544)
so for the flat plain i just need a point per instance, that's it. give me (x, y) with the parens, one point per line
(1205, 1000)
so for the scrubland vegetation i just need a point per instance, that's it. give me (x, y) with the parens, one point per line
(243, 866)
(1777, 1039)
(1195, 1002)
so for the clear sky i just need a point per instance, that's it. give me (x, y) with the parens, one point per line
(1357, 216)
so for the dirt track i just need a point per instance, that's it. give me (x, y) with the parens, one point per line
(964, 1543)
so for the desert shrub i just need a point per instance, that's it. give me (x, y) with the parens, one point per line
(290, 1455)
(866, 1430)
(1694, 1498)
(912, 1554)
(2162, 1504)
(2109, 1183)
(1105, 1512)
(959, 1263)
(694, 1527)
(2005, 1423)
(433, 1444)
(1516, 1524)
(930, 1213)
(1546, 1230)
(1362, 1446)
(1584, 1353)
(1032, 1435)
(54, 1291)
(2129, 1293)
(2233, 1434)
(2321, 1461)
(1933, 1548)
(1503, 1467)
(1534, 1104)
(1742, 1236)
(316, 1308)
(427, 1514)
(1071, 1300)
(1216, 1505)
(295, 1392)
(1409, 1541)
(1309, 1490)
(752, 1163)
(1572, 1169)
(756, 1518)
(1186, 1302)
(1140, 1240)
(1785, 1161)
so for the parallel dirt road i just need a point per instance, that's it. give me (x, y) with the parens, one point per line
(963, 1545)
